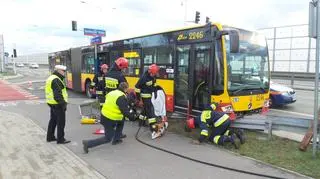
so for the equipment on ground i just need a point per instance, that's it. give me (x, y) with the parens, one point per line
(90, 112)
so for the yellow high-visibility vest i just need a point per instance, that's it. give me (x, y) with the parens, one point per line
(110, 109)
(49, 92)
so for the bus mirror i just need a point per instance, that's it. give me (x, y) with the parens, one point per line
(234, 41)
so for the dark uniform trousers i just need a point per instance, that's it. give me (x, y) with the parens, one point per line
(113, 130)
(57, 119)
(222, 131)
(149, 111)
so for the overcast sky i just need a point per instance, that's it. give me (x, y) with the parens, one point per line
(36, 26)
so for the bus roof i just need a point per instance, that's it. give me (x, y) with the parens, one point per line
(173, 30)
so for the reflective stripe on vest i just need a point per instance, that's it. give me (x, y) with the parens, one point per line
(110, 108)
(146, 95)
(49, 92)
(221, 120)
(111, 83)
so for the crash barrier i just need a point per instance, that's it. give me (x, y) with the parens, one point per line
(297, 80)
(270, 123)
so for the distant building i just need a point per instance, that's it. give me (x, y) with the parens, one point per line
(40, 58)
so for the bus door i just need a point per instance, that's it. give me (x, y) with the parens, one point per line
(192, 76)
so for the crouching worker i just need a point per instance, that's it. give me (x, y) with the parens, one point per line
(114, 111)
(220, 128)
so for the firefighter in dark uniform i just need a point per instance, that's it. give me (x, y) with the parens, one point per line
(98, 83)
(220, 124)
(57, 99)
(114, 111)
(115, 75)
(144, 89)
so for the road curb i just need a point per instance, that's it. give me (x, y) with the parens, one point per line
(10, 77)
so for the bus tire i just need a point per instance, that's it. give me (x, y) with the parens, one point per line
(87, 89)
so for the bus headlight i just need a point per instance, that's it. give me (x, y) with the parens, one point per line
(266, 103)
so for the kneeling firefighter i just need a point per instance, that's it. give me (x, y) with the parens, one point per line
(114, 111)
(220, 126)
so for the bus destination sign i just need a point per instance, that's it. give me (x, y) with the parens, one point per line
(193, 35)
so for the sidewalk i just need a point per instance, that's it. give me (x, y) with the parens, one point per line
(25, 153)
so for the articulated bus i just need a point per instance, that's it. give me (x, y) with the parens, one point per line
(198, 65)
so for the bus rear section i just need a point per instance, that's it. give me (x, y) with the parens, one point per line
(62, 58)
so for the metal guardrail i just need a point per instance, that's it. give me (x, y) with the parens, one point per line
(269, 123)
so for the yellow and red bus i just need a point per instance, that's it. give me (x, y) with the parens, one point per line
(198, 65)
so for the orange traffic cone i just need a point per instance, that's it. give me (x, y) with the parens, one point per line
(99, 131)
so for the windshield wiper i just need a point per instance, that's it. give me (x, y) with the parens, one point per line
(246, 87)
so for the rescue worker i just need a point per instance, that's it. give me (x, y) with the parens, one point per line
(220, 124)
(98, 83)
(115, 75)
(144, 89)
(114, 111)
(57, 99)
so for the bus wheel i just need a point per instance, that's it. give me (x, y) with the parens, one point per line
(88, 93)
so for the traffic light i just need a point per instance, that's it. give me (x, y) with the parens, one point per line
(14, 53)
(197, 19)
(74, 25)
(207, 20)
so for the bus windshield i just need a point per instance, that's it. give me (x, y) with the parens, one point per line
(249, 68)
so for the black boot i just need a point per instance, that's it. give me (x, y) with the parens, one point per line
(240, 134)
(233, 141)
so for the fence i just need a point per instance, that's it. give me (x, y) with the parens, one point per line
(290, 48)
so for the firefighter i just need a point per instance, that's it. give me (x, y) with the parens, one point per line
(57, 99)
(114, 111)
(144, 89)
(220, 126)
(98, 83)
(115, 75)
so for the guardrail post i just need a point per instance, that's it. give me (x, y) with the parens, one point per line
(268, 128)
(292, 80)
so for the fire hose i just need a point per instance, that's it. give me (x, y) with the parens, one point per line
(201, 162)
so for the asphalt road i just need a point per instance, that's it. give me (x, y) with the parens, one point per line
(31, 74)
(134, 160)
(304, 104)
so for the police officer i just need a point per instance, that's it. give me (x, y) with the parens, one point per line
(115, 75)
(57, 98)
(114, 111)
(220, 124)
(144, 89)
(99, 83)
